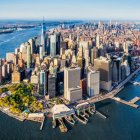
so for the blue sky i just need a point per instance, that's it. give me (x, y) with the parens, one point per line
(70, 9)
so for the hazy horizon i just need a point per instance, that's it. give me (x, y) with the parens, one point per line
(70, 10)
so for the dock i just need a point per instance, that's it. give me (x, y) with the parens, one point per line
(80, 120)
(42, 124)
(129, 103)
(134, 100)
(100, 114)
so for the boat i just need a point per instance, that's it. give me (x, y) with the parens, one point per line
(62, 126)
(70, 120)
(80, 119)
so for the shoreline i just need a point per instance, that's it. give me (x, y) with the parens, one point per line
(110, 94)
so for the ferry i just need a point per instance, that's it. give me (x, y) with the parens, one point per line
(80, 119)
(70, 120)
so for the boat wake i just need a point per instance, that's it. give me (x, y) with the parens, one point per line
(3, 42)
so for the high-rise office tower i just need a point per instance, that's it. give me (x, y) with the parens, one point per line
(53, 45)
(4, 71)
(97, 41)
(16, 75)
(83, 45)
(10, 57)
(17, 50)
(93, 83)
(125, 47)
(116, 70)
(103, 65)
(15, 59)
(42, 83)
(52, 86)
(29, 56)
(72, 89)
(94, 54)
(32, 44)
(127, 67)
(23, 50)
(9, 68)
(41, 52)
(43, 38)
(0, 74)
(58, 35)
(87, 57)
(123, 72)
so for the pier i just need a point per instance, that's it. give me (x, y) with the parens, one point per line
(134, 100)
(100, 114)
(129, 103)
(42, 123)
(62, 126)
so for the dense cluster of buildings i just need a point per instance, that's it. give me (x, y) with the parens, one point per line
(74, 61)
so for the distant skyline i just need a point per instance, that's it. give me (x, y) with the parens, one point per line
(70, 9)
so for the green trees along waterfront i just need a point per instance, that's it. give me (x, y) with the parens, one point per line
(21, 98)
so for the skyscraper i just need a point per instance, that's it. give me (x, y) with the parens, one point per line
(32, 44)
(42, 83)
(43, 38)
(58, 35)
(53, 45)
(94, 54)
(97, 41)
(41, 52)
(72, 89)
(51, 86)
(4, 71)
(16, 75)
(116, 70)
(103, 65)
(93, 83)
(28, 55)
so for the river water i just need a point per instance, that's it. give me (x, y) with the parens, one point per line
(123, 122)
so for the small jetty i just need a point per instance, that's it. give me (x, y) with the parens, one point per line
(100, 114)
(134, 100)
(129, 103)
(42, 123)
(54, 123)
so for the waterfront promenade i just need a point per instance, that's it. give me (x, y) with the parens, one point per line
(114, 92)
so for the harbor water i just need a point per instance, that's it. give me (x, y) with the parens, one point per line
(123, 122)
